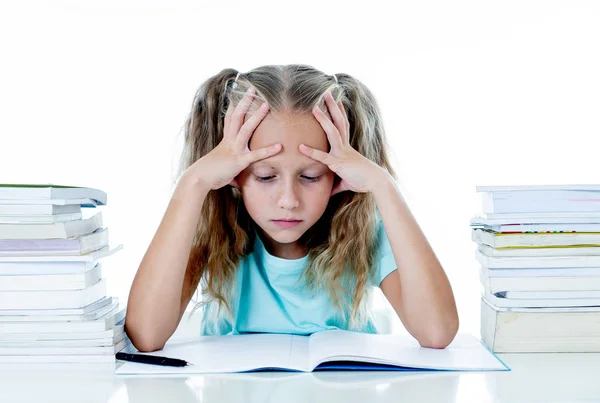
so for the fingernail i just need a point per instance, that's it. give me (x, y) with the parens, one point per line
(264, 106)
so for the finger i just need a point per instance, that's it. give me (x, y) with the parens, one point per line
(250, 126)
(313, 153)
(332, 133)
(334, 110)
(236, 117)
(346, 122)
(262, 153)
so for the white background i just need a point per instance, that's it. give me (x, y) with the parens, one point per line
(95, 93)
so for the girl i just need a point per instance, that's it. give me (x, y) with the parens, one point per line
(287, 214)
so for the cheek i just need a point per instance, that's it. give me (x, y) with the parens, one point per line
(323, 193)
(252, 193)
(255, 198)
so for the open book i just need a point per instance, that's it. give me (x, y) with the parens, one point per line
(331, 349)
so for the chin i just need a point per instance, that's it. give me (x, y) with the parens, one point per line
(283, 235)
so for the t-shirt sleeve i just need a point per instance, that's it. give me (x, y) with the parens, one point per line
(385, 261)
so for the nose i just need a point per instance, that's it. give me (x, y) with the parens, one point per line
(288, 196)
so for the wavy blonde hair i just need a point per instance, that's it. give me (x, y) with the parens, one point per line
(342, 243)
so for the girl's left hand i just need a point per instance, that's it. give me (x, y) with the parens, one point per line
(357, 173)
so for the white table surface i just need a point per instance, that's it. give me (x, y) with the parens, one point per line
(533, 378)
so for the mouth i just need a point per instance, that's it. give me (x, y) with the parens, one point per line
(287, 223)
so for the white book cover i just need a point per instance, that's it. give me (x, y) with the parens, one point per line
(38, 209)
(338, 349)
(518, 188)
(50, 191)
(111, 308)
(79, 245)
(538, 294)
(540, 200)
(59, 312)
(540, 228)
(540, 330)
(537, 283)
(549, 309)
(542, 272)
(89, 257)
(571, 294)
(21, 265)
(567, 215)
(39, 219)
(573, 250)
(85, 202)
(61, 230)
(53, 299)
(544, 240)
(101, 342)
(64, 350)
(530, 218)
(51, 282)
(56, 359)
(116, 331)
(518, 262)
(65, 358)
(541, 303)
(103, 323)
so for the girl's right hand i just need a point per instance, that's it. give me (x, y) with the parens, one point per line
(231, 156)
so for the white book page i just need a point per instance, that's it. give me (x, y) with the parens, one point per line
(464, 353)
(213, 354)
(336, 345)
(300, 354)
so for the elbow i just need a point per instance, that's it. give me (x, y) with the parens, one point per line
(142, 340)
(442, 337)
(147, 346)
(439, 342)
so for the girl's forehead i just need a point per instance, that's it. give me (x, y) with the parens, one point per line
(289, 129)
(291, 162)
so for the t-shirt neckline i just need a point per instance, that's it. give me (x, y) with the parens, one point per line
(275, 263)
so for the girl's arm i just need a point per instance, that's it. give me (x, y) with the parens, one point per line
(156, 303)
(418, 290)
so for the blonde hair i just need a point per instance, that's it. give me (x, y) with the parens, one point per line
(342, 244)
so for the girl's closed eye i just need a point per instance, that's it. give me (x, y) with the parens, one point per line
(312, 178)
(262, 178)
(268, 178)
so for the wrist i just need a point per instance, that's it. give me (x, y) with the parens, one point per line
(382, 183)
(193, 183)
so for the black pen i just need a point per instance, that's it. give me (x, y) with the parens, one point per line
(153, 359)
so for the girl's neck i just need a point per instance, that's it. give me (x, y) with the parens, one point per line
(293, 250)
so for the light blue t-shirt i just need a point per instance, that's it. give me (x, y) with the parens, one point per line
(269, 299)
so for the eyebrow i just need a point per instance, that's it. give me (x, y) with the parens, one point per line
(269, 165)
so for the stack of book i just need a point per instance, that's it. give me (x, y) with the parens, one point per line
(539, 253)
(54, 305)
